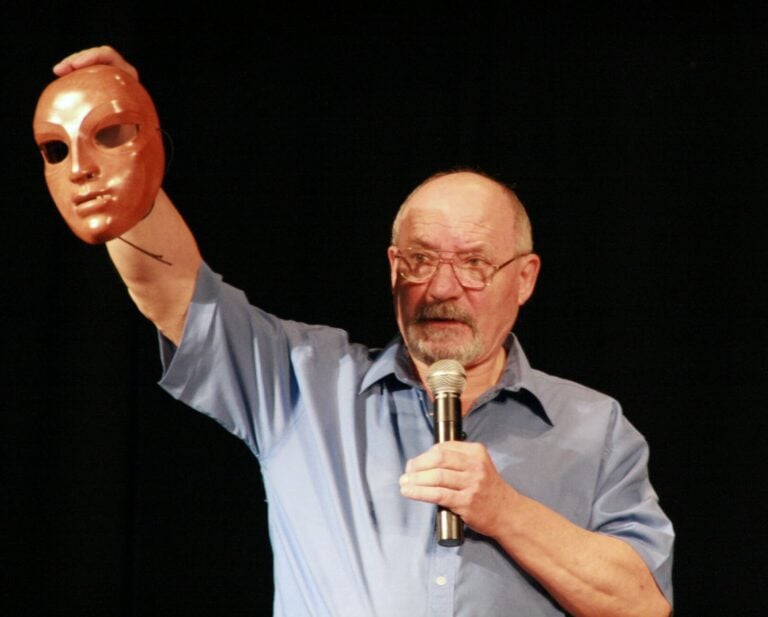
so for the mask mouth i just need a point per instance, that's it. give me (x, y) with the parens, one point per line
(93, 200)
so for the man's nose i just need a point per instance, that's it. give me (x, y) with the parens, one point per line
(83, 163)
(444, 283)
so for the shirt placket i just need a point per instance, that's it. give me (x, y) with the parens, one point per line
(442, 581)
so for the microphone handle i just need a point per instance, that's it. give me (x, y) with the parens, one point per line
(450, 527)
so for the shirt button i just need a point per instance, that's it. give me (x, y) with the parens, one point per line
(440, 580)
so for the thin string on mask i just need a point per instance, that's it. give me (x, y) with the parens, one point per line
(145, 251)
(154, 256)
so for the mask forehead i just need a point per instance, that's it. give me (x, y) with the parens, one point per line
(68, 101)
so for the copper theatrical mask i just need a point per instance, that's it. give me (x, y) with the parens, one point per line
(99, 134)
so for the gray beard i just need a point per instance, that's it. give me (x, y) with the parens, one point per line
(433, 346)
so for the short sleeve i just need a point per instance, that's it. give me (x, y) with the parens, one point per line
(626, 505)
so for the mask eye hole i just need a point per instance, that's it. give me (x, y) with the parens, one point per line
(116, 135)
(54, 151)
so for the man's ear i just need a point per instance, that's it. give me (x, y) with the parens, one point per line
(391, 252)
(527, 276)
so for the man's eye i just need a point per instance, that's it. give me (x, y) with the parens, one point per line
(54, 151)
(473, 261)
(116, 135)
(421, 258)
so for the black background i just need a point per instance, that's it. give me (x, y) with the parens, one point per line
(634, 136)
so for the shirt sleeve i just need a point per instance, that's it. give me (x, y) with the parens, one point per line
(242, 366)
(626, 505)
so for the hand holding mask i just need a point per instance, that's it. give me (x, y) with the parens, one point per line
(99, 134)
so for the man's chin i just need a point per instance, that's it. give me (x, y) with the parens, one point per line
(430, 351)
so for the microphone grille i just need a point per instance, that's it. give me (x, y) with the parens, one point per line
(446, 376)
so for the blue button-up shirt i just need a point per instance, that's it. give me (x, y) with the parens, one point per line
(333, 423)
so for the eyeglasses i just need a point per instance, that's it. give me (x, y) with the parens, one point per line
(419, 265)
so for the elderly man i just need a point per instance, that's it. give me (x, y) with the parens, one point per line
(551, 480)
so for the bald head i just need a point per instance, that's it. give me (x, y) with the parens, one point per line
(475, 188)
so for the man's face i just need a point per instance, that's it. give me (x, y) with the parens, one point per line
(440, 319)
(100, 138)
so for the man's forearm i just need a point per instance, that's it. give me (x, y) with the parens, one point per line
(589, 574)
(158, 260)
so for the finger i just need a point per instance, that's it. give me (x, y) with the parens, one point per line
(437, 495)
(448, 455)
(85, 57)
(75, 61)
(453, 480)
(94, 55)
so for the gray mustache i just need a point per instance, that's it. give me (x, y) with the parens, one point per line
(444, 310)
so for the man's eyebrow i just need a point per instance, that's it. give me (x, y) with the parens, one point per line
(421, 244)
(478, 248)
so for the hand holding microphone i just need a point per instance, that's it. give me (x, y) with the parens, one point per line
(446, 379)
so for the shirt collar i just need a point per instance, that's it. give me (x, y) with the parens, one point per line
(392, 361)
(517, 378)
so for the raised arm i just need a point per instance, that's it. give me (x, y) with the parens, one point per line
(157, 258)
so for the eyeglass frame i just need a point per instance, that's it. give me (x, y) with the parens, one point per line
(440, 260)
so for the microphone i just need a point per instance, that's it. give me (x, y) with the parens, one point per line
(446, 379)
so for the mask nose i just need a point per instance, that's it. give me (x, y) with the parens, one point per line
(84, 166)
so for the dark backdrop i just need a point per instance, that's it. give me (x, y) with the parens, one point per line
(636, 139)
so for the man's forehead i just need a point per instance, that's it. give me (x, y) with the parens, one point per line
(463, 233)
(430, 229)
